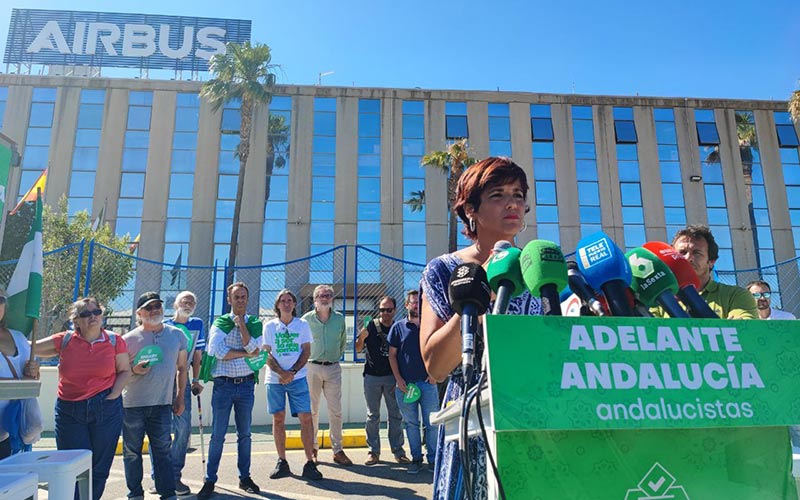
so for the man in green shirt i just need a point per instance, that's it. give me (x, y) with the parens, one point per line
(324, 372)
(697, 244)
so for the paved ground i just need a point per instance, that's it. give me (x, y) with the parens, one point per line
(387, 480)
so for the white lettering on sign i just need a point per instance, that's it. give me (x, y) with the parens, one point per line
(138, 40)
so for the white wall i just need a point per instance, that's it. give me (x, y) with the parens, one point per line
(354, 409)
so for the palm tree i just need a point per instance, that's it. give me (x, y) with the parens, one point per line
(277, 148)
(243, 73)
(794, 106)
(452, 162)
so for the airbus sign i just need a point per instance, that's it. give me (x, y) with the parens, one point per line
(119, 40)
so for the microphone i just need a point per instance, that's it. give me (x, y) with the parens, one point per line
(653, 282)
(469, 296)
(545, 273)
(578, 285)
(688, 282)
(605, 267)
(505, 275)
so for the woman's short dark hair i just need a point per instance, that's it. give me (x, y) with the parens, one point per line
(493, 171)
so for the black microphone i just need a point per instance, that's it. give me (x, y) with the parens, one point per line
(469, 296)
(579, 286)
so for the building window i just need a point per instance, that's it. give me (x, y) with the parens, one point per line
(323, 188)
(456, 126)
(85, 152)
(369, 181)
(134, 163)
(413, 190)
(787, 136)
(790, 163)
(670, 167)
(586, 170)
(545, 193)
(499, 130)
(630, 186)
(541, 123)
(707, 134)
(714, 186)
(624, 127)
(35, 156)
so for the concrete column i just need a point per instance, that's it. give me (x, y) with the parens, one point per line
(346, 183)
(298, 240)
(520, 123)
(650, 175)
(744, 251)
(65, 123)
(566, 177)
(15, 126)
(693, 193)
(778, 205)
(478, 119)
(392, 195)
(608, 173)
(112, 140)
(436, 208)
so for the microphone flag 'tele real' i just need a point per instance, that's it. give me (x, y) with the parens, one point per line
(605, 268)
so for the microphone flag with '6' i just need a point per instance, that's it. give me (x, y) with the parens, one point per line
(688, 282)
(544, 271)
(653, 282)
(469, 294)
(605, 268)
(505, 275)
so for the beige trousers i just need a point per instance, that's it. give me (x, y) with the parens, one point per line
(326, 380)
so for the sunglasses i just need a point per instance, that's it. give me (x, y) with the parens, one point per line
(325, 296)
(152, 307)
(87, 313)
(761, 295)
(386, 309)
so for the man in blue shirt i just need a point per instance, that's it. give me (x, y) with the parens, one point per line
(408, 368)
(194, 330)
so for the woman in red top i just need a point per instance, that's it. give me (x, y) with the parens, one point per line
(93, 369)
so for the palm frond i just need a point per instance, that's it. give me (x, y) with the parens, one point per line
(794, 106)
(417, 201)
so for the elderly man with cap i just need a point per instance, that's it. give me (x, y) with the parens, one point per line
(157, 352)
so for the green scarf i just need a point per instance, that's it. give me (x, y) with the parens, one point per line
(226, 324)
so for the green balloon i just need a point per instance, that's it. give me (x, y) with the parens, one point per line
(258, 362)
(412, 393)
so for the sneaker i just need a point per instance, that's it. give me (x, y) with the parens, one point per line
(281, 470)
(206, 491)
(342, 459)
(415, 467)
(181, 489)
(372, 459)
(246, 484)
(152, 490)
(402, 459)
(311, 472)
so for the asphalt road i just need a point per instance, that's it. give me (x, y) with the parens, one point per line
(386, 480)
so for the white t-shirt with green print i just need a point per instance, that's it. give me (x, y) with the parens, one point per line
(285, 342)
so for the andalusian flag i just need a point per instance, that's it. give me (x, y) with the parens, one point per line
(25, 288)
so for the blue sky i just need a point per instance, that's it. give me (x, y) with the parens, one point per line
(709, 48)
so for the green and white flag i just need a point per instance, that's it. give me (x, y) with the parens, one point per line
(25, 288)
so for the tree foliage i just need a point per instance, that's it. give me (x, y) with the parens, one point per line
(451, 162)
(110, 271)
(794, 106)
(244, 73)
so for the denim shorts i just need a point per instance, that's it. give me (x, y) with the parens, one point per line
(299, 400)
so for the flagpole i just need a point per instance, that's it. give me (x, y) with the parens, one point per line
(34, 327)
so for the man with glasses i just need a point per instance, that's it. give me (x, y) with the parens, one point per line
(379, 382)
(157, 352)
(194, 331)
(324, 372)
(761, 292)
(232, 340)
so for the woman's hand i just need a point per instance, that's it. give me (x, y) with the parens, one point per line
(31, 370)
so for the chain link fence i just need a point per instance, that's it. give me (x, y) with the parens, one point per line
(360, 276)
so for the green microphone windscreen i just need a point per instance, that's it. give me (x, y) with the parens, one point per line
(542, 263)
(504, 266)
(651, 276)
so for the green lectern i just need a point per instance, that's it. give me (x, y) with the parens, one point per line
(642, 408)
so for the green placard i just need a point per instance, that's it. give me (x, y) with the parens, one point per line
(151, 353)
(628, 373)
(553, 441)
(258, 362)
(412, 393)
